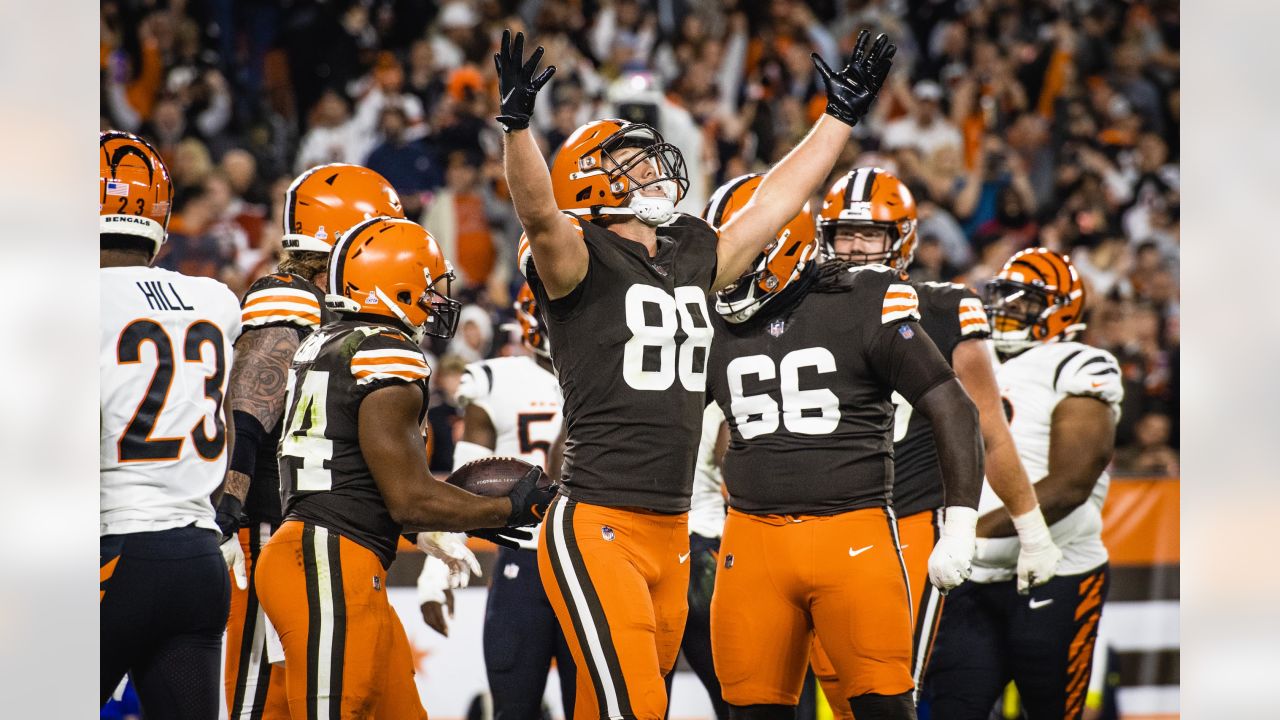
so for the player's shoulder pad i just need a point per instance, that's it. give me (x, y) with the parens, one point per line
(477, 382)
(281, 299)
(957, 301)
(1088, 371)
(387, 354)
(886, 290)
(524, 250)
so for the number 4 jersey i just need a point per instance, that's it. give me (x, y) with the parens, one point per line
(324, 479)
(805, 385)
(630, 345)
(164, 359)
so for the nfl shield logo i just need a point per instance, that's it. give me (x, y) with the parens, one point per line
(606, 532)
(777, 327)
(906, 332)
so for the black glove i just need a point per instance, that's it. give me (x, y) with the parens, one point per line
(228, 517)
(528, 501)
(517, 87)
(506, 537)
(851, 92)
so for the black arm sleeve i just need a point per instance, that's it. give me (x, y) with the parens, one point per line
(958, 436)
(249, 436)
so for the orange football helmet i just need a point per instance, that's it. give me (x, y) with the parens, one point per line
(394, 268)
(1036, 297)
(135, 194)
(870, 197)
(591, 177)
(326, 200)
(782, 261)
(531, 331)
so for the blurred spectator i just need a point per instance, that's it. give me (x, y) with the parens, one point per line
(410, 166)
(332, 137)
(475, 333)
(461, 218)
(1150, 453)
(924, 128)
(444, 414)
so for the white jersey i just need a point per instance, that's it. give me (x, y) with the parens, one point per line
(706, 507)
(164, 360)
(1032, 384)
(523, 402)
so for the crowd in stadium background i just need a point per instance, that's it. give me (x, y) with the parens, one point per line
(1014, 122)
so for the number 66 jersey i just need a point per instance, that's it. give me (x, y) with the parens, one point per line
(164, 359)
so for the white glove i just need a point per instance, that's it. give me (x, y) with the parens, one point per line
(234, 555)
(951, 561)
(433, 586)
(451, 549)
(1039, 556)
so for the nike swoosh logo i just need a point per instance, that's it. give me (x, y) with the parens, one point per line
(1098, 384)
(856, 553)
(684, 557)
(1037, 604)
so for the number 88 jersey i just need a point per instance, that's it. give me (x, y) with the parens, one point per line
(324, 479)
(630, 347)
(164, 360)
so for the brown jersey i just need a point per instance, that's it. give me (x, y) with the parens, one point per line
(950, 314)
(805, 386)
(629, 345)
(288, 301)
(323, 475)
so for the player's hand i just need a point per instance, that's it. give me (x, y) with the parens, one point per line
(517, 86)
(951, 561)
(451, 549)
(528, 501)
(1038, 557)
(438, 614)
(851, 91)
(234, 555)
(506, 537)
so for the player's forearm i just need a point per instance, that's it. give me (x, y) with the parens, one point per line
(1058, 495)
(529, 181)
(958, 436)
(796, 177)
(1005, 473)
(442, 507)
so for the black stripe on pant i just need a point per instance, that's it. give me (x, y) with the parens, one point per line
(253, 620)
(560, 529)
(315, 618)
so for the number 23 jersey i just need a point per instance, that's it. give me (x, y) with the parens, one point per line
(806, 391)
(629, 345)
(323, 475)
(164, 360)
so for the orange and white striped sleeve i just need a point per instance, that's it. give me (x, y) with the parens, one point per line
(402, 363)
(281, 300)
(900, 303)
(973, 319)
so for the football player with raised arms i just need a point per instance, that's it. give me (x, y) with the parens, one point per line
(512, 410)
(869, 217)
(1063, 400)
(164, 357)
(622, 279)
(278, 311)
(805, 360)
(353, 474)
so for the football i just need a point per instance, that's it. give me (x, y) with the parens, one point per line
(492, 476)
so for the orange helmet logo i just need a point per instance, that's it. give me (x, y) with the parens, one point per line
(327, 200)
(870, 198)
(395, 269)
(135, 194)
(593, 176)
(531, 331)
(774, 269)
(1036, 297)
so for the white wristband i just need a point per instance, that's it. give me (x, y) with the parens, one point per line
(433, 581)
(1033, 531)
(960, 521)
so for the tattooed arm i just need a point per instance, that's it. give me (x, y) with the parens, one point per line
(256, 396)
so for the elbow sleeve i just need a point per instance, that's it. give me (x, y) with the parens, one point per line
(249, 437)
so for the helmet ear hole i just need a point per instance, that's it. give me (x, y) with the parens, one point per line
(404, 297)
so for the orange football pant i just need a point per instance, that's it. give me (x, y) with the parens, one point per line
(917, 533)
(783, 578)
(346, 653)
(618, 579)
(254, 687)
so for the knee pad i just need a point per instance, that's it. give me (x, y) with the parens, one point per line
(883, 707)
(762, 712)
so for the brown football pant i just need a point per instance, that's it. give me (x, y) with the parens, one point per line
(618, 580)
(254, 687)
(346, 654)
(917, 533)
(783, 578)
